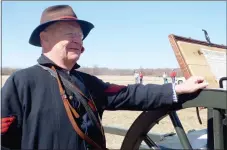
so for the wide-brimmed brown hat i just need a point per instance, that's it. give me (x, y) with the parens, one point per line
(54, 14)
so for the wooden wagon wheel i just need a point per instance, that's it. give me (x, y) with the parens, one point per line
(214, 99)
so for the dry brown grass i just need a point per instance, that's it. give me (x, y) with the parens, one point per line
(125, 118)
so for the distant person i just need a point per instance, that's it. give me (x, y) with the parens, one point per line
(136, 76)
(141, 77)
(173, 75)
(52, 105)
(165, 78)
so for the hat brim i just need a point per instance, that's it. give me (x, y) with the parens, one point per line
(86, 27)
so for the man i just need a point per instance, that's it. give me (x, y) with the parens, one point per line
(136, 76)
(165, 78)
(40, 112)
(173, 75)
(141, 77)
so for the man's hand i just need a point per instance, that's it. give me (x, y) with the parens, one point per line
(191, 85)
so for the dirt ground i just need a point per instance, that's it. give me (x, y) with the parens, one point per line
(124, 119)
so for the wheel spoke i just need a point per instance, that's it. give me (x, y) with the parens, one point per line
(180, 130)
(149, 142)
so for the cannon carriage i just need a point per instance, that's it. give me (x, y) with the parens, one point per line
(195, 58)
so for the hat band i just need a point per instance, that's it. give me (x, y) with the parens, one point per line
(65, 18)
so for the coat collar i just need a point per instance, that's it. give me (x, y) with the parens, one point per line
(43, 60)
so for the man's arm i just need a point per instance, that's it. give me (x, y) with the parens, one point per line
(11, 115)
(138, 96)
(146, 97)
(133, 97)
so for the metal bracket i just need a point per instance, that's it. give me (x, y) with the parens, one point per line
(224, 121)
(169, 134)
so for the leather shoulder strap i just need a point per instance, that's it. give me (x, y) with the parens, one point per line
(87, 103)
(71, 111)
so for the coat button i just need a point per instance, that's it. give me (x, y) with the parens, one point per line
(70, 97)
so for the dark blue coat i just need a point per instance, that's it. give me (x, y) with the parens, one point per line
(38, 118)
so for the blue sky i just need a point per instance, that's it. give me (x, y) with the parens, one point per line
(126, 34)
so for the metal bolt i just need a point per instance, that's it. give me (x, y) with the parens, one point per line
(70, 97)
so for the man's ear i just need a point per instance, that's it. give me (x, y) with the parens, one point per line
(82, 49)
(43, 36)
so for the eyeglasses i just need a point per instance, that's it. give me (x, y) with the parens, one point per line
(75, 35)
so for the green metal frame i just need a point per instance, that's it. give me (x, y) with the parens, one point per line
(213, 99)
(210, 98)
(216, 119)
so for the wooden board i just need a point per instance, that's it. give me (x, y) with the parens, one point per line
(200, 59)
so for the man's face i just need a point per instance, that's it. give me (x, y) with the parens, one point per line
(63, 40)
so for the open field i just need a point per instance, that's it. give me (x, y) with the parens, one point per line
(125, 118)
